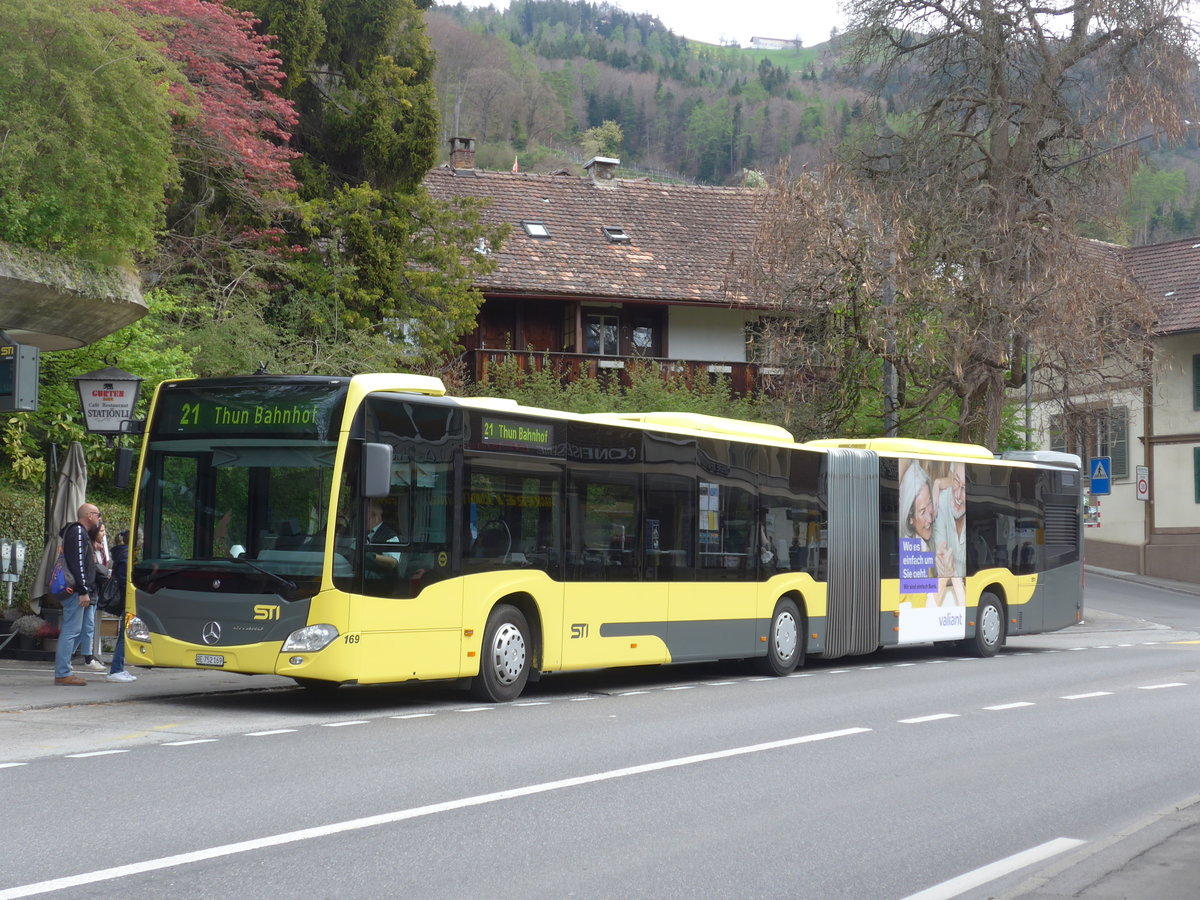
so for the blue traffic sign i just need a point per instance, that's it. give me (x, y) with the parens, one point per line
(1101, 474)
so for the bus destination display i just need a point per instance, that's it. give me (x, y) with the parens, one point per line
(517, 435)
(304, 413)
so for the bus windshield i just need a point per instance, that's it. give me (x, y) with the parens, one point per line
(234, 493)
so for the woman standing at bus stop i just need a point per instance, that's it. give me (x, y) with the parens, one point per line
(120, 569)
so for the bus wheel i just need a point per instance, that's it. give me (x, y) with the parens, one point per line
(989, 627)
(785, 641)
(317, 686)
(505, 659)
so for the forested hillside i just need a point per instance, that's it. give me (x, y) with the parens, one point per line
(542, 73)
(530, 82)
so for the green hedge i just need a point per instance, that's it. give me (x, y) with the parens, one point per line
(22, 518)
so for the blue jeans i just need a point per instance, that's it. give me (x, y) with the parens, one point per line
(68, 635)
(118, 657)
(87, 631)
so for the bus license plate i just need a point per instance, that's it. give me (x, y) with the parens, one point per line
(205, 659)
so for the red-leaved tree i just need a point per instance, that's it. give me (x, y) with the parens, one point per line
(236, 126)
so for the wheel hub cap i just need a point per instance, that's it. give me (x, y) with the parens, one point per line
(508, 653)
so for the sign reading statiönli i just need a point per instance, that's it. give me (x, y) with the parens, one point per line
(108, 397)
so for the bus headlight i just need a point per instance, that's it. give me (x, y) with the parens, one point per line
(137, 630)
(309, 639)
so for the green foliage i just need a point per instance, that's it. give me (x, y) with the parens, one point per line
(603, 140)
(647, 391)
(153, 347)
(85, 116)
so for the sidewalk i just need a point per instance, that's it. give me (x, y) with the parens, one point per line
(28, 685)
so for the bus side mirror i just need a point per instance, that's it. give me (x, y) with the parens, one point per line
(122, 467)
(377, 470)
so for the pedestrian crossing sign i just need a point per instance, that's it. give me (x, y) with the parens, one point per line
(1101, 474)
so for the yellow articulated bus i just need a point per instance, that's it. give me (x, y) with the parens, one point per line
(373, 530)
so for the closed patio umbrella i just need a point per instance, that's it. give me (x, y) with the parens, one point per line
(69, 495)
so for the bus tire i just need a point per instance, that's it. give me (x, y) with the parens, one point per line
(989, 627)
(785, 640)
(504, 661)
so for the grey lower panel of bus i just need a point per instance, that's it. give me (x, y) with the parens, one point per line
(188, 616)
(1055, 603)
(852, 620)
(693, 641)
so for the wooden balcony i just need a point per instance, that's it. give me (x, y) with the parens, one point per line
(743, 378)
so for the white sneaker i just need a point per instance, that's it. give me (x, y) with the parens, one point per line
(94, 665)
(121, 676)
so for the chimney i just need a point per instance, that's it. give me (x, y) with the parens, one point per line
(603, 170)
(462, 153)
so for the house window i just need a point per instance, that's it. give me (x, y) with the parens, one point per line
(600, 335)
(764, 342)
(535, 229)
(1094, 432)
(643, 340)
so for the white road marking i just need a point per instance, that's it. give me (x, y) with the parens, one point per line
(272, 731)
(403, 815)
(11, 765)
(680, 687)
(94, 753)
(412, 716)
(919, 719)
(1155, 687)
(526, 703)
(343, 724)
(1016, 705)
(1086, 696)
(188, 743)
(473, 709)
(580, 699)
(992, 871)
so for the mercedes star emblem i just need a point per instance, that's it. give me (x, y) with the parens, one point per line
(211, 633)
(216, 584)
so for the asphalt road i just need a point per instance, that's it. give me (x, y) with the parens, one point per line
(876, 777)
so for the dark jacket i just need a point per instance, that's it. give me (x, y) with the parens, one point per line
(80, 558)
(120, 569)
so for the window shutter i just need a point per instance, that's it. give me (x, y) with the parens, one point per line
(1196, 381)
(1118, 440)
(1196, 471)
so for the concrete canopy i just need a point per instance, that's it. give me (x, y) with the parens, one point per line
(57, 303)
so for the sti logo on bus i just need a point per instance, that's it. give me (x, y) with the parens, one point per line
(579, 630)
(263, 611)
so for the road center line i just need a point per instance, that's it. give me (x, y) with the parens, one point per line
(402, 815)
(1086, 696)
(1155, 687)
(992, 871)
(1016, 705)
(921, 719)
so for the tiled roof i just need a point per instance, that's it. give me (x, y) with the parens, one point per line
(686, 244)
(1170, 275)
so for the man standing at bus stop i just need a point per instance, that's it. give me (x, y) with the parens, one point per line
(80, 562)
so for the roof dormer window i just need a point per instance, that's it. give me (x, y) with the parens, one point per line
(616, 234)
(535, 228)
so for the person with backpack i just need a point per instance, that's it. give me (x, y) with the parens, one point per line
(79, 560)
(116, 606)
